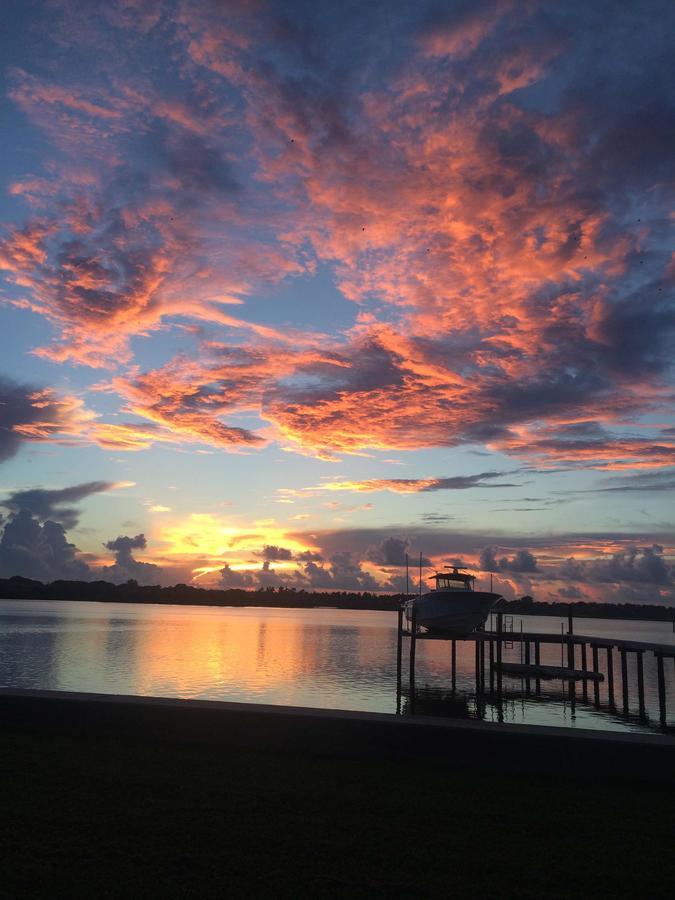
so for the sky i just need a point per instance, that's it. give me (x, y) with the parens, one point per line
(291, 289)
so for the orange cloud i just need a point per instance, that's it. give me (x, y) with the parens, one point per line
(415, 485)
(39, 416)
(499, 282)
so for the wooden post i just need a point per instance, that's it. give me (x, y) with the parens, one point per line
(570, 642)
(527, 663)
(491, 650)
(641, 683)
(610, 676)
(571, 687)
(478, 680)
(662, 688)
(413, 636)
(596, 668)
(482, 666)
(584, 666)
(399, 645)
(537, 662)
(624, 681)
(500, 629)
(453, 660)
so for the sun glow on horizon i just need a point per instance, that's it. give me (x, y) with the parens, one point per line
(208, 536)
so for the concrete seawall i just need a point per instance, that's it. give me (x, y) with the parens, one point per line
(458, 743)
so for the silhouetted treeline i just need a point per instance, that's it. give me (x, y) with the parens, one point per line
(18, 588)
(581, 609)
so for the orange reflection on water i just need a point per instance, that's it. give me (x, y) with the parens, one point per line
(193, 654)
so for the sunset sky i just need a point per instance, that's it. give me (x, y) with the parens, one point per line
(289, 289)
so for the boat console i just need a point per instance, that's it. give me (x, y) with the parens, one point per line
(453, 581)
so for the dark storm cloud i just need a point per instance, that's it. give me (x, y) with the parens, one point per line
(343, 571)
(309, 556)
(123, 545)
(126, 567)
(29, 413)
(40, 552)
(232, 578)
(642, 565)
(395, 551)
(522, 561)
(45, 503)
(275, 554)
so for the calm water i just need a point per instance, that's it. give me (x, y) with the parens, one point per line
(321, 657)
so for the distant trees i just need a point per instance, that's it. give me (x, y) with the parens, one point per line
(18, 588)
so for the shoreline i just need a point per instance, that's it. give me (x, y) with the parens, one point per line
(460, 744)
(619, 612)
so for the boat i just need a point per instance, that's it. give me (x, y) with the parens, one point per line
(453, 607)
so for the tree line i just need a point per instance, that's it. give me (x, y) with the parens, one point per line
(18, 588)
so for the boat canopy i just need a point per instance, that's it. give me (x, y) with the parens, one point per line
(453, 581)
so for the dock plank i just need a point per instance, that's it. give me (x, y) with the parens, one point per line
(552, 672)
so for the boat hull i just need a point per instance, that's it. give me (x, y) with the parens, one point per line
(454, 613)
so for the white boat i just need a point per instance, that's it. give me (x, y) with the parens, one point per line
(453, 607)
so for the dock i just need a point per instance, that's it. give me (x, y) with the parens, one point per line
(581, 658)
(550, 672)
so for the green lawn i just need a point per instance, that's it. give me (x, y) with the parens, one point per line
(95, 818)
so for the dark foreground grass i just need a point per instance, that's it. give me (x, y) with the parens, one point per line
(98, 818)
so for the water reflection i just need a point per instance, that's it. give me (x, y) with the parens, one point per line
(322, 658)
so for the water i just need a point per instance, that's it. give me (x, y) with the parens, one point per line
(340, 659)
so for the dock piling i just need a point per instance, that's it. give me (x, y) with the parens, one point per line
(399, 644)
(491, 651)
(584, 666)
(413, 641)
(527, 663)
(399, 658)
(571, 688)
(500, 630)
(624, 680)
(482, 666)
(661, 677)
(641, 684)
(479, 667)
(453, 663)
(596, 668)
(610, 676)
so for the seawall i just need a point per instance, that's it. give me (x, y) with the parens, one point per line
(469, 745)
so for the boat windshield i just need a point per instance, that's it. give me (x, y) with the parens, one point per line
(452, 582)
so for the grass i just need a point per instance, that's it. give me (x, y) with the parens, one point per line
(97, 818)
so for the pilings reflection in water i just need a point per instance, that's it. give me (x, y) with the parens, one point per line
(567, 683)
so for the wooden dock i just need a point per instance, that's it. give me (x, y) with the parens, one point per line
(549, 672)
(582, 647)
